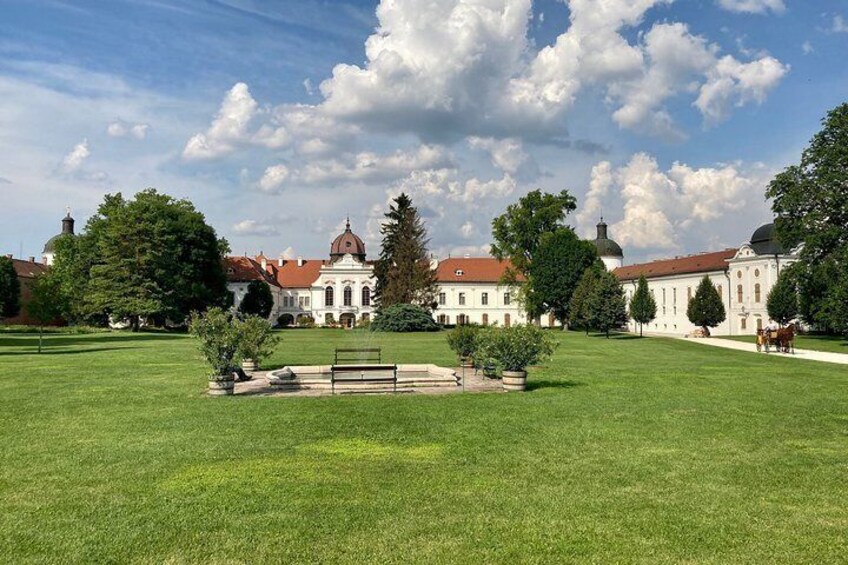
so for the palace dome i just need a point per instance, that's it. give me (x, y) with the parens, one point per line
(347, 243)
(67, 229)
(606, 247)
(764, 241)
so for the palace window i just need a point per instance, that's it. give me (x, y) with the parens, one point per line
(366, 296)
(442, 319)
(739, 294)
(328, 296)
(507, 320)
(757, 292)
(663, 297)
(743, 323)
(459, 272)
(759, 324)
(366, 317)
(303, 301)
(720, 295)
(348, 296)
(462, 299)
(461, 320)
(329, 319)
(674, 296)
(738, 274)
(688, 294)
(442, 299)
(756, 272)
(484, 299)
(507, 299)
(485, 319)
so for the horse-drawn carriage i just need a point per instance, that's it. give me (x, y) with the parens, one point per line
(782, 339)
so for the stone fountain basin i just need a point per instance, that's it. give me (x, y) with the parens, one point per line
(318, 377)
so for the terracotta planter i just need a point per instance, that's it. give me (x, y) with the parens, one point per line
(249, 365)
(222, 385)
(514, 381)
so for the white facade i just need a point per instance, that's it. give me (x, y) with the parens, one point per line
(477, 303)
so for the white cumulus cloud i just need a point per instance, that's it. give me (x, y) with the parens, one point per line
(753, 6)
(74, 160)
(274, 178)
(255, 228)
(120, 128)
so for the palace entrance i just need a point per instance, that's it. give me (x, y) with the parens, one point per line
(347, 320)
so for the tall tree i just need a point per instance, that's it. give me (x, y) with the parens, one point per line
(706, 309)
(258, 301)
(10, 289)
(607, 305)
(151, 257)
(810, 201)
(579, 309)
(559, 263)
(518, 232)
(643, 307)
(782, 301)
(46, 303)
(403, 270)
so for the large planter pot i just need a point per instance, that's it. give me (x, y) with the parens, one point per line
(514, 381)
(249, 365)
(223, 385)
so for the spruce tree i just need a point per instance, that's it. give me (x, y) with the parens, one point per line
(706, 309)
(782, 302)
(643, 307)
(403, 270)
(10, 289)
(607, 305)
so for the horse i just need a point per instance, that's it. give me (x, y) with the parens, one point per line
(782, 339)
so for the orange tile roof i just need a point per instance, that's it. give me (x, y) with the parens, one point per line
(29, 269)
(474, 269)
(292, 276)
(245, 269)
(701, 263)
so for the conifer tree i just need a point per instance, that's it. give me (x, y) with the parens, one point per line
(579, 314)
(706, 309)
(607, 305)
(782, 302)
(10, 289)
(643, 307)
(403, 270)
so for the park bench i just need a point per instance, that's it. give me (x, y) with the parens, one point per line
(361, 366)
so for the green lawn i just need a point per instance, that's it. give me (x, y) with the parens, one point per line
(832, 344)
(625, 450)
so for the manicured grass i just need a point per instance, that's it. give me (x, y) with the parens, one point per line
(625, 450)
(832, 344)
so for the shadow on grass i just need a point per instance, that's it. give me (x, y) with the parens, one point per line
(47, 351)
(64, 340)
(548, 383)
(616, 336)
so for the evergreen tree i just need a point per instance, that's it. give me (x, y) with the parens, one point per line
(810, 201)
(10, 289)
(403, 270)
(643, 307)
(258, 301)
(579, 313)
(782, 302)
(706, 309)
(607, 305)
(560, 262)
(45, 304)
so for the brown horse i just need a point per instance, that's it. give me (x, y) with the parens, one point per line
(782, 339)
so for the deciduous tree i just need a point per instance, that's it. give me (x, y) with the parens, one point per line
(258, 300)
(782, 302)
(46, 303)
(706, 309)
(10, 289)
(643, 307)
(579, 312)
(607, 306)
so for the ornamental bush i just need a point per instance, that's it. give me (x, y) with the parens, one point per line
(256, 339)
(514, 348)
(219, 338)
(404, 318)
(463, 340)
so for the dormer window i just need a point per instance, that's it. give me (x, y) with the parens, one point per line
(459, 272)
(231, 271)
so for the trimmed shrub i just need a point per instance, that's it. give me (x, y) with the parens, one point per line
(306, 322)
(514, 348)
(463, 340)
(404, 318)
(256, 339)
(219, 339)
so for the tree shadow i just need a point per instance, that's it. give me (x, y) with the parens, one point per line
(549, 383)
(31, 350)
(67, 340)
(616, 336)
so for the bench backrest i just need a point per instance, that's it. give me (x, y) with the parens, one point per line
(368, 355)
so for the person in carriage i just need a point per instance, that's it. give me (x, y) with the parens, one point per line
(783, 339)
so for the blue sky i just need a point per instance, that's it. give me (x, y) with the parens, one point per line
(667, 117)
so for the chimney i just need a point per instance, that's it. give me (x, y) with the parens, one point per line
(9, 256)
(280, 261)
(31, 259)
(299, 261)
(434, 262)
(264, 263)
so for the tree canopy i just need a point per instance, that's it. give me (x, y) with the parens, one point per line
(643, 307)
(258, 300)
(403, 270)
(10, 289)
(782, 301)
(46, 301)
(810, 200)
(706, 308)
(559, 263)
(606, 305)
(579, 310)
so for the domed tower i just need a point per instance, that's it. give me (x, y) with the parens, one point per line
(608, 250)
(348, 243)
(49, 252)
(764, 241)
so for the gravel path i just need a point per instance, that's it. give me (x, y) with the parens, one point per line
(824, 356)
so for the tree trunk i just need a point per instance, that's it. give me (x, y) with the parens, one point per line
(640, 330)
(40, 337)
(135, 323)
(607, 333)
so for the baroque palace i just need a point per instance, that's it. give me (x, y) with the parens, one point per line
(338, 290)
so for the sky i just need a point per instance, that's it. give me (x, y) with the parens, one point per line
(279, 119)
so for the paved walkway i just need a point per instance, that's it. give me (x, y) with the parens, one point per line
(824, 356)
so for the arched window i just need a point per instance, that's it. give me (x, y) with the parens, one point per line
(366, 296)
(506, 320)
(739, 294)
(485, 319)
(328, 296)
(443, 319)
(743, 324)
(461, 320)
(347, 296)
(757, 292)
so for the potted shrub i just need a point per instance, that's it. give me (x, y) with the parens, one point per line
(256, 342)
(514, 349)
(463, 341)
(218, 339)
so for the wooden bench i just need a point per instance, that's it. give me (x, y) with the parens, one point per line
(360, 366)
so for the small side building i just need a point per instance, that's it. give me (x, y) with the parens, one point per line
(27, 271)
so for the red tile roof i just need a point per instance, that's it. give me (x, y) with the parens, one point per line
(29, 269)
(245, 269)
(292, 276)
(701, 263)
(474, 270)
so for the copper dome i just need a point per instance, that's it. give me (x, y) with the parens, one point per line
(347, 243)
